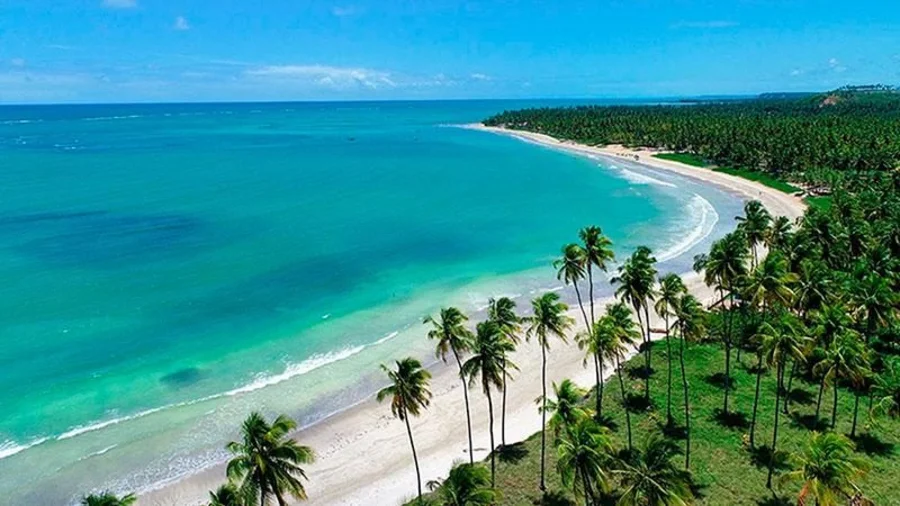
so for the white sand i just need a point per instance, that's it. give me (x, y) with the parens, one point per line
(363, 453)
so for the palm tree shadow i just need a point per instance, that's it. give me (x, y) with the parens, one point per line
(639, 372)
(554, 498)
(774, 501)
(732, 419)
(718, 380)
(870, 444)
(637, 403)
(761, 456)
(808, 422)
(512, 454)
(607, 421)
(698, 489)
(801, 396)
(674, 431)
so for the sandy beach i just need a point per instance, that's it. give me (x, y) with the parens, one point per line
(363, 453)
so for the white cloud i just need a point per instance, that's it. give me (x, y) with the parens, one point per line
(120, 4)
(327, 76)
(181, 23)
(480, 77)
(17, 62)
(797, 72)
(705, 24)
(835, 65)
(344, 11)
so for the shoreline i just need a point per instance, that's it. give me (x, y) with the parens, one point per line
(350, 442)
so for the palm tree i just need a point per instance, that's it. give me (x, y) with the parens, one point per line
(650, 478)
(635, 280)
(452, 336)
(226, 495)
(583, 453)
(571, 268)
(598, 253)
(692, 324)
(267, 461)
(503, 312)
(827, 469)
(566, 409)
(623, 335)
(724, 268)
(488, 363)
(467, 485)
(874, 302)
(108, 499)
(409, 395)
(549, 319)
(887, 388)
(594, 343)
(671, 289)
(755, 225)
(779, 233)
(780, 342)
(845, 359)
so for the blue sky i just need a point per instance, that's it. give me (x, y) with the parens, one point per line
(190, 50)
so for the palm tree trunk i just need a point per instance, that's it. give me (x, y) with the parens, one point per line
(669, 382)
(543, 413)
(466, 398)
(587, 491)
(787, 393)
(587, 323)
(727, 374)
(855, 414)
(262, 496)
(415, 457)
(491, 429)
(759, 369)
(503, 405)
(780, 383)
(834, 406)
(649, 355)
(819, 399)
(687, 407)
(624, 402)
(598, 391)
(591, 290)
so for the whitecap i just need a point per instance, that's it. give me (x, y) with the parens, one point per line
(386, 338)
(636, 178)
(10, 448)
(703, 218)
(97, 453)
(293, 370)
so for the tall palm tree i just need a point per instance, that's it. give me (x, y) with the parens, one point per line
(549, 320)
(671, 289)
(583, 455)
(571, 268)
(874, 303)
(724, 268)
(226, 495)
(598, 253)
(635, 279)
(108, 499)
(266, 462)
(409, 394)
(594, 343)
(451, 336)
(779, 233)
(827, 469)
(489, 365)
(780, 341)
(650, 477)
(566, 409)
(755, 225)
(692, 324)
(467, 485)
(624, 335)
(845, 359)
(503, 312)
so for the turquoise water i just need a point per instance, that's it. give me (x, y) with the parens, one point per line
(168, 268)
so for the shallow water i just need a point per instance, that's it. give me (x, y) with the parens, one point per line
(168, 268)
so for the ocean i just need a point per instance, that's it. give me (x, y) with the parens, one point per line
(168, 268)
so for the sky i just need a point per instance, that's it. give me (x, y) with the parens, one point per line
(98, 51)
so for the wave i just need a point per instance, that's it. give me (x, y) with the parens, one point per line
(386, 338)
(704, 217)
(10, 448)
(111, 118)
(635, 178)
(97, 453)
(20, 121)
(311, 364)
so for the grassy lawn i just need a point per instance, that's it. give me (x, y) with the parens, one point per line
(685, 158)
(725, 471)
(823, 203)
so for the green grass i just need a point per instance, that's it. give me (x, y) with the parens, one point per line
(723, 467)
(823, 202)
(760, 177)
(685, 158)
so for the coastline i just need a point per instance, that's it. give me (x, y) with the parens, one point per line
(363, 453)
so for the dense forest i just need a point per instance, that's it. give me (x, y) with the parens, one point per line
(847, 129)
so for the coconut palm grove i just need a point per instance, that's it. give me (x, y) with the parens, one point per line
(783, 388)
